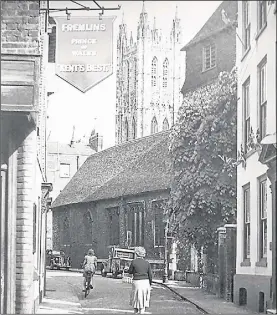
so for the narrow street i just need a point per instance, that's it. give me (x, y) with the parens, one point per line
(64, 295)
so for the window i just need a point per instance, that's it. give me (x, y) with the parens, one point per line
(159, 225)
(87, 224)
(246, 211)
(262, 98)
(126, 130)
(154, 126)
(52, 45)
(209, 57)
(165, 124)
(64, 170)
(66, 232)
(263, 218)
(246, 25)
(154, 72)
(134, 127)
(165, 73)
(128, 79)
(34, 228)
(262, 14)
(113, 214)
(135, 223)
(246, 114)
(135, 75)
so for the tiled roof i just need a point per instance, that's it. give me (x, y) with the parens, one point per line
(215, 22)
(64, 148)
(136, 166)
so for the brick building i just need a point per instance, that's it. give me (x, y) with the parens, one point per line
(115, 198)
(212, 50)
(24, 188)
(256, 172)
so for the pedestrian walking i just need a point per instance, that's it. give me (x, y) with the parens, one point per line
(142, 281)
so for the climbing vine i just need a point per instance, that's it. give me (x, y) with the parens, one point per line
(203, 150)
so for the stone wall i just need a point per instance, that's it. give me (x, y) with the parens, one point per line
(76, 245)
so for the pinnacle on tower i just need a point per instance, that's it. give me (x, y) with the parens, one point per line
(154, 24)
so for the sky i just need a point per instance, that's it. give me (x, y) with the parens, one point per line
(96, 108)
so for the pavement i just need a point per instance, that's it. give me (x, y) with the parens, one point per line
(208, 302)
(64, 296)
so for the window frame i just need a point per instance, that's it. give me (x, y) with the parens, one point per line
(246, 25)
(209, 46)
(165, 121)
(62, 173)
(154, 120)
(262, 97)
(165, 73)
(154, 72)
(114, 233)
(158, 223)
(261, 14)
(246, 113)
(262, 208)
(246, 223)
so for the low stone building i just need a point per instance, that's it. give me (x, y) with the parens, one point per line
(116, 198)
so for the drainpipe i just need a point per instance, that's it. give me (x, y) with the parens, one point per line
(77, 159)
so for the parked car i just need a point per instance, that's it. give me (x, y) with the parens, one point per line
(119, 261)
(58, 260)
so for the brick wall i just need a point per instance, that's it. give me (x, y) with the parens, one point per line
(225, 43)
(24, 224)
(20, 27)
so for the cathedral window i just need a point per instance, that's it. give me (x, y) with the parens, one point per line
(134, 128)
(126, 130)
(154, 125)
(135, 75)
(165, 124)
(165, 73)
(87, 223)
(154, 72)
(128, 78)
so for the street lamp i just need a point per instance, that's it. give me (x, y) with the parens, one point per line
(165, 275)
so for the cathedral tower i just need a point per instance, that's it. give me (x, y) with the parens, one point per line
(148, 79)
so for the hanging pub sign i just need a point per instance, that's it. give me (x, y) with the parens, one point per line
(84, 50)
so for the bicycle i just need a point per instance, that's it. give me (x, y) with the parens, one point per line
(88, 285)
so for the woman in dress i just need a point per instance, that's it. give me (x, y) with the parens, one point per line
(142, 281)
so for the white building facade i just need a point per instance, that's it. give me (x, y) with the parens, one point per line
(256, 62)
(148, 79)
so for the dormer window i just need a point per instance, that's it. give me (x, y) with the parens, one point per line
(209, 57)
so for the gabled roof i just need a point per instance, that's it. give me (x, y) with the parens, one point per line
(215, 22)
(136, 166)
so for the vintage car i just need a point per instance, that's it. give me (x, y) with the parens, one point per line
(58, 260)
(119, 261)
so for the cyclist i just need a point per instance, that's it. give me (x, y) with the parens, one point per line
(89, 265)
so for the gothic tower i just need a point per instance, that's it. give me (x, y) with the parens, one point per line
(148, 79)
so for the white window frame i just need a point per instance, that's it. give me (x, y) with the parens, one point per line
(246, 222)
(64, 174)
(154, 125)
(262, 14)
(209, 57)
(262, 97)
(262, 218)
(246, 113)
(246, 25)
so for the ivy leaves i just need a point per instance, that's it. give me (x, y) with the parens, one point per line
(203, 150)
